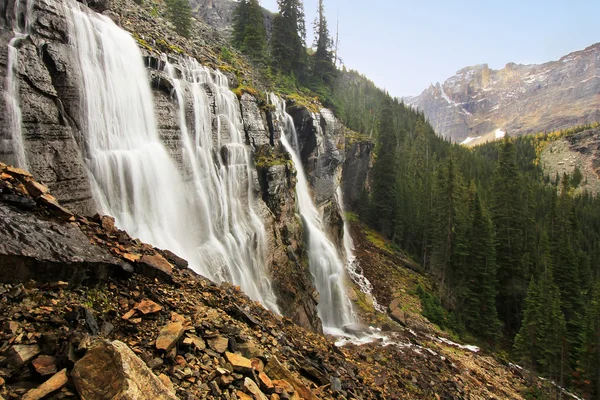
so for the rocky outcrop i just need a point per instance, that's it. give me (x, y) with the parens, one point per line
(579, 150)
(357, 165)
(518, 99)
(219, 15)
(48, 97)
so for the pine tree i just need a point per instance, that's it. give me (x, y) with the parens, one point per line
(508, 222)
(448, 230)
(180, 14)
(589, 353)
(479, 304)
(384, 172)
(324, 68)
(249, 33)
(539, 345)
(289, 55)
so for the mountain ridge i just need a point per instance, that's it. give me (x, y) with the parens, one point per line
(519, 98)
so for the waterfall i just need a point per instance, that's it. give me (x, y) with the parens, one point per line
(207, 219)
(326, 267)
(14, 144)
(353, 267)
(234, 245)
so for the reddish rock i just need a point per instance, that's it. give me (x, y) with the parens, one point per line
(155, 266)
(45, 365)
(265, 383)
(107, 223)
(51, 385)
(253, 388)
(169, 335)
(148, 307)
(35, 189)
(51, 203)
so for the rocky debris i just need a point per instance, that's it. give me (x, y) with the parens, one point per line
(53, 384)
(45, 365)
(112, 370)
(20, 355)
(252, 388)
(169, 335)
(218, 343)
(580, 150)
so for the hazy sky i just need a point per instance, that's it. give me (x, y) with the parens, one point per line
(406, 45)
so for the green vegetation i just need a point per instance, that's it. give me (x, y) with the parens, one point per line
(249, 33)
(180, 14)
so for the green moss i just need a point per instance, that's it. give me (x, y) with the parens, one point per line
(355, 137)
(142, 42)
(310, 103)
(241, 89)
(166, 47)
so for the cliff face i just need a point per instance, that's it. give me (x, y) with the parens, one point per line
(517, 99)
(56, 146)
(219, 15)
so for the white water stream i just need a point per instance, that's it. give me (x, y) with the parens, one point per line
(203, 213)
(326, 267)
(14, 144)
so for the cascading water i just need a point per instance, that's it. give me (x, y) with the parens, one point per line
(207, 219)
(234, 245)
(352, 265)
(21, 28)
(335, 309)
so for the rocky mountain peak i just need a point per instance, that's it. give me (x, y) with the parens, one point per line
(478, 101)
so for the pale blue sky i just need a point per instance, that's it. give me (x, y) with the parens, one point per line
(406, 45)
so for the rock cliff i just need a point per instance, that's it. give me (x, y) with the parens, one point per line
(479, 101)
(219, 15)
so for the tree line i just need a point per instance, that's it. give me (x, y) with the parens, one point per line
(284, 53)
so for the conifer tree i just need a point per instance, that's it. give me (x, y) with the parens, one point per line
(324, 68)
(479, 305)
(384, 172)
(180, 14)
(589, 353)
(508, 222)
(289, 32)
(249, 33)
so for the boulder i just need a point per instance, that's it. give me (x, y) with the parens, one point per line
(155, 266)
(37, 248)
(110, 370)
